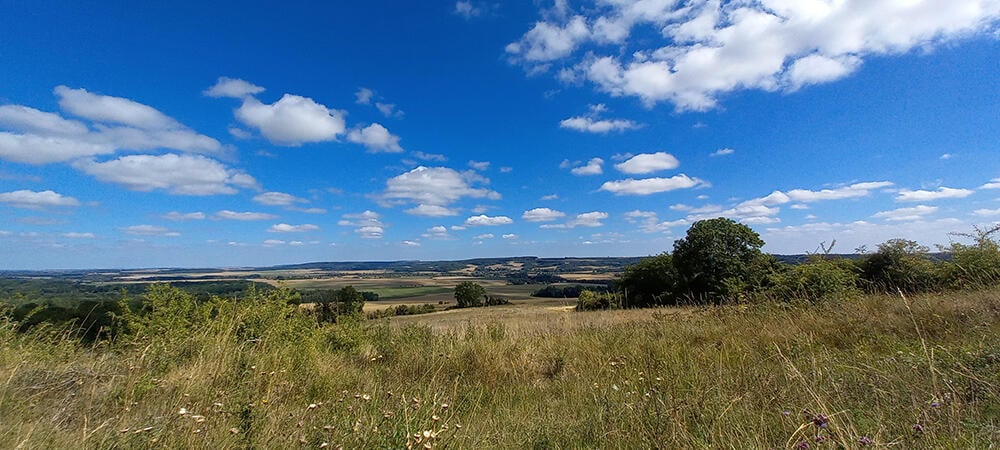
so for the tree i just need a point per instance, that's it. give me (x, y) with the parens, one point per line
(468, 294)
(350, 300)
(650, 281)
(720, 259)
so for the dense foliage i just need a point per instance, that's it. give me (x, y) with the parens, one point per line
(469, 294)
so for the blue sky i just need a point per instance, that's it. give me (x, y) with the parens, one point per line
(196, 134)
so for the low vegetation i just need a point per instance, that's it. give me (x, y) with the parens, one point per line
(892, 349)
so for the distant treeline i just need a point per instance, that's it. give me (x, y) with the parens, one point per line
(571, 291)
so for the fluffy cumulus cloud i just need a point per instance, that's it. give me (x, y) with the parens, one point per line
(117, 123)
(649, 186)
(484, 220)
(593, 167)
(993, 184)
(984, 212)
(588, 219)
(37, 200)
(367, 224)
(376, 138)
(706, 48)
(286, 228)
(542, 215)
(439, 232)
(591, 125)
(925, 196)
(467, 9)
(293, 120)
(233, 87)
(850, 235)
(176, 174)
(435, 186)
(648, 163)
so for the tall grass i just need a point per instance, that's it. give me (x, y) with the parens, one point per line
(920, 372)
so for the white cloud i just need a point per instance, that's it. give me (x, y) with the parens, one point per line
(550, 197)
(437, 232)
(946, 156)
(23, 118)
(924, 196)
(649, 186)
(376, 138)
(993, 184)
(108, 109)
(591, 125)
(177, 174)
(593, 167)
(484, 236)
(907, 214)
(801, 238)
(479, 165)
(77, 235)
(364, 96)
(484, 220)
(183, 217)
(429, 156)
(293, 120)
(149, 230)
(467, 9)
(367, 224)
(722, 152)
(547, 41)
(648, 163)
(33, 149)
(987, 212)
(435, 186)
(232, 87)
(855, 190)
(286, 228)
(431, 211)
(506, 169)
(244, 216)
(278, 199)
(709, 47)
(411, 243)
(542, 215)
(510, 236)
(36, 200)
(273, 242)
(589, 219)
(388, 109)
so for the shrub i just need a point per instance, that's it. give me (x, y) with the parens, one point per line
(899, 264)
(974, 266)
(816, 280)
(590, 301)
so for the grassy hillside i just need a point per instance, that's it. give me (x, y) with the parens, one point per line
(921, 372)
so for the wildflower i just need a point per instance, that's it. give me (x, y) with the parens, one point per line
(366, 397)
(313, 406)
(821, 421)
(183, 411)
(865, 440)
(786, 413)
(918, 428)
(935, 404)
(802, 445)
(444, 406)
(435, 418)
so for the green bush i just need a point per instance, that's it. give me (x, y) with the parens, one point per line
(899, 264)
(720, 260)
(973, 266)
(469, 294)
(649, 282)
(591, 301)
(818, 279)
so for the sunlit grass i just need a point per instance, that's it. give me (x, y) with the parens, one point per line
(922, 372)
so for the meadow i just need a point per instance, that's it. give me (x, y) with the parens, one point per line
(919, 371)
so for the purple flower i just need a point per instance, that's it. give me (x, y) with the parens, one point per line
(865, 440)
(820, 420)
(802, 445)
(918, 428)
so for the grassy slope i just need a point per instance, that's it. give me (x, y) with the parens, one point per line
(670, 378)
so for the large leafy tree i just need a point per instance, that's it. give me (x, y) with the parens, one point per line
(649, 282)
(720, 259)
(468, 294)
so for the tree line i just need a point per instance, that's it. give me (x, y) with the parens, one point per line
(720, 261)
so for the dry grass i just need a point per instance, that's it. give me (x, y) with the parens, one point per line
(924, 373)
